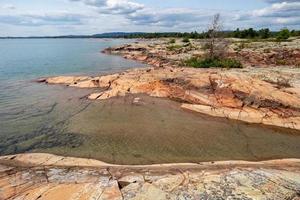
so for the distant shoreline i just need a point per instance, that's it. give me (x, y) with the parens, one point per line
(238, 33)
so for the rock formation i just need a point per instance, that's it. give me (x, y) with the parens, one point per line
(249, 95)
(45, 176)
(159, 53)
(268, 96)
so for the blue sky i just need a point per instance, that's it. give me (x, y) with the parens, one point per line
(61, 17)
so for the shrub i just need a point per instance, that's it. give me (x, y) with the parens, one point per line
(185, 40)
(205, 46)
(174, 47)
(281, 62)
(172, 41)
(284, 34)
(213, 62)
(264, 33)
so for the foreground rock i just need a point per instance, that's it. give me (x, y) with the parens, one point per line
(45, 176)
(267, 96)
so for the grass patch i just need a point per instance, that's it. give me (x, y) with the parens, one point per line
(172, 41)
(253, 40)
(174, 47)
(213, 62)
(185, 40)
(281, 62)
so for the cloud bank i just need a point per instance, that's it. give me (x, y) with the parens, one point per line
(129, 15)
(278, 12)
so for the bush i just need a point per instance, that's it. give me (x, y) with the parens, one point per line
(213, 62)
(185, 40)
(284, 34)
(174, 47)
(172, 41)
(205, 46)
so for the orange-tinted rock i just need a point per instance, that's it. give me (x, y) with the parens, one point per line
(234, 94)
(48, 177)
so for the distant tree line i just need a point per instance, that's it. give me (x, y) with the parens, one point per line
(264, 34)
(238, 33)
(246, 33)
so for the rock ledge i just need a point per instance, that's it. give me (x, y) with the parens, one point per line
(46, 176)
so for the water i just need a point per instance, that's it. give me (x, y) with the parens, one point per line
(56, 119)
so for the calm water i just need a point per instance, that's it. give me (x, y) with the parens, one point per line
(39, 118)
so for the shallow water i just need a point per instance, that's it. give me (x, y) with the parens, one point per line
(56, 119)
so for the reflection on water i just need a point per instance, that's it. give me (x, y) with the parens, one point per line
(56, 119)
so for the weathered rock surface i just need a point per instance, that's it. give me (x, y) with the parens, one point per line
(159, 52)
(44, 176)
(262, 96)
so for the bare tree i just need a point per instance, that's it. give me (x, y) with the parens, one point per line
(217, 45)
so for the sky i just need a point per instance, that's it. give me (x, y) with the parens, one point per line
(81, 17)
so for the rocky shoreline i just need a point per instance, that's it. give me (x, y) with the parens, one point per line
(269, 95)
(162, 53)
(247, 95)
(46, 176)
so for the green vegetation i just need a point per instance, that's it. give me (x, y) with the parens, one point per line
(244, 34)
(185, 40)
(284, 34)
(197, 62)
(281, 62)
(216, 47)
(174, 47)
(172, 41)
(251, 33)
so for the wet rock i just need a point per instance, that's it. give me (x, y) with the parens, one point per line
(68, 80)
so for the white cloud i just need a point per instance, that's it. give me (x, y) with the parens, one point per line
(276, 16)
(280, 1)
(38, 19)
(280, 12)
(8, 7)
(113, 6)
(94, 16)
(283, 9)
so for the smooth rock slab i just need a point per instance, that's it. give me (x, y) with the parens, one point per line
(24, 179)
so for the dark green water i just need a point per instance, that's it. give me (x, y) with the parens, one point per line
(56, 119)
